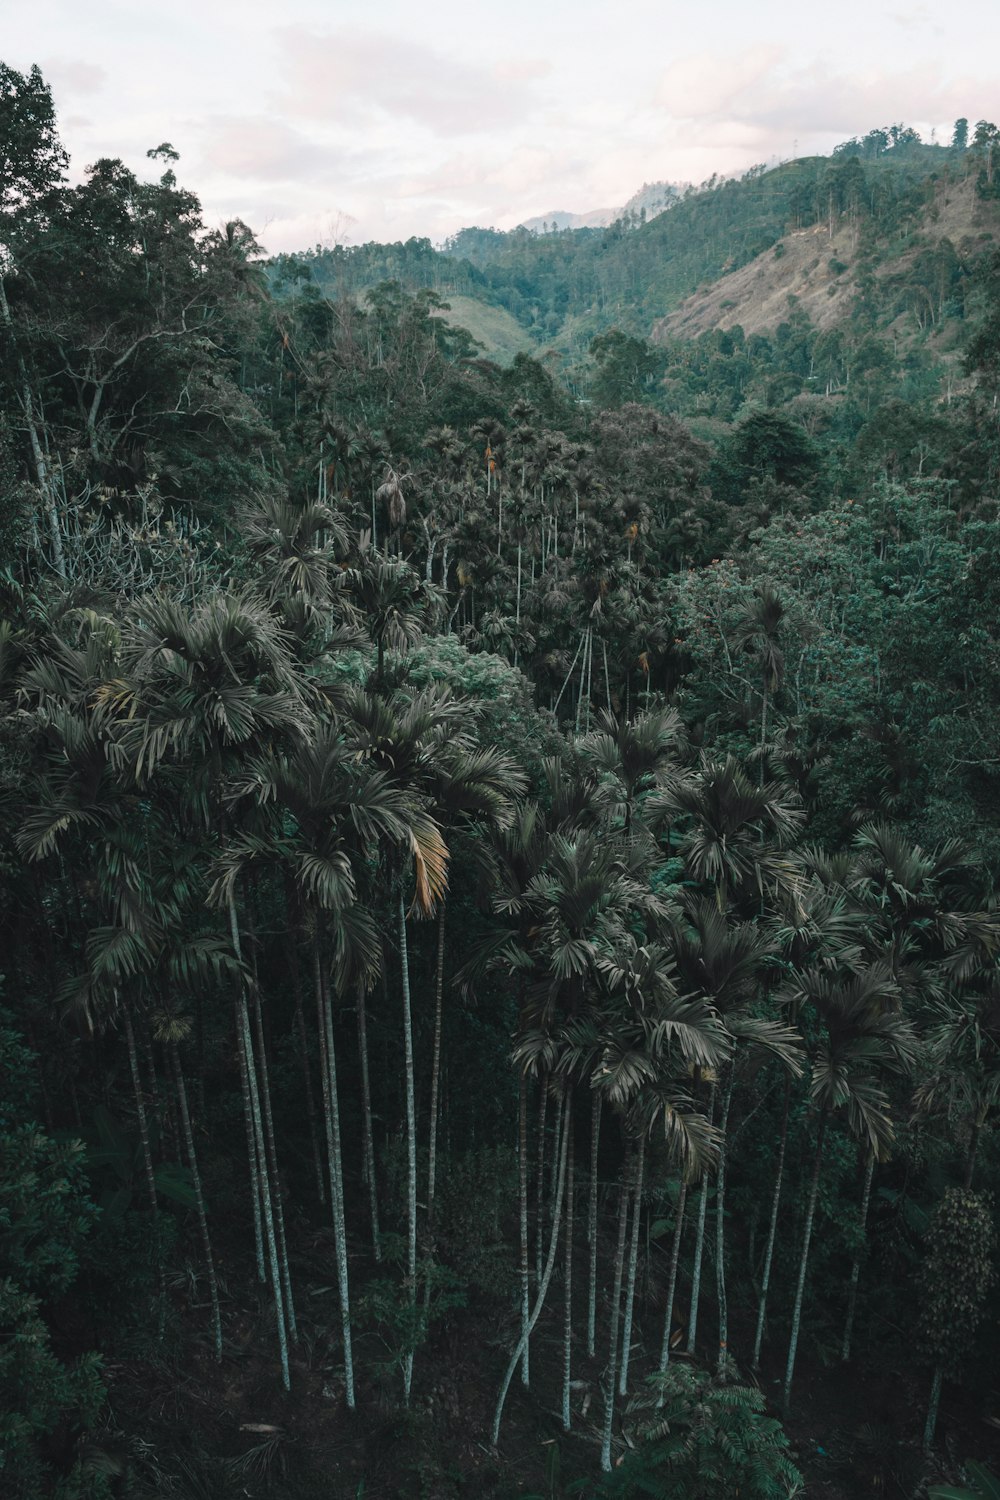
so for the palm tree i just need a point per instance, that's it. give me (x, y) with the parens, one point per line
(153, 954)
(578, 906)
(470, 786)
(329, 813)
(402, 737)
(726, 961)
(631, 1159)
(924, 906)
(392, 602)
(77, 791)
(170, 1031)
(645, 1038)
(924, 909)
(862, 1038)
(818, 922)
(758, 631)
(568, 895)
(962, 1081)
(631, 1042)
(296, 549)
(517, 854)
(200, 687)
(634, 757)
(736, 834)
(734, 844)
(543, 1285)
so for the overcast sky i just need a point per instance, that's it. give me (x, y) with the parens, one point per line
(326, 120)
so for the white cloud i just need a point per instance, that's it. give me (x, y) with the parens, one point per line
(71, 77)
(410, 121)
(256, 148)
(351, 75)
(708, 84)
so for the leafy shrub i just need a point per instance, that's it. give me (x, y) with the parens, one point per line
(477, 1192)
(708, 1441)
(956, 1276)
(45, 1404)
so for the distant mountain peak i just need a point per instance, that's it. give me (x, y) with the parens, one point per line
(653, 197)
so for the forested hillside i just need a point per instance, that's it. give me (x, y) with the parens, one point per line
(499, 866)
(880, 199)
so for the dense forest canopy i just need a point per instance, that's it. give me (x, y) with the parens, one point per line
(499, 860)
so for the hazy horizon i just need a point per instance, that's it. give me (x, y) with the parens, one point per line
(319, 127)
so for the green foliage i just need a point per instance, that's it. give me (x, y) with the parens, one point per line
(403, 1323)
(708, 1439)
(983, 1485)
(46, 1403)
(32, 160)
(674, 722)
(45, 1213)
(626, 368)
(956, 1276)
(474, 1200)
(766, 445)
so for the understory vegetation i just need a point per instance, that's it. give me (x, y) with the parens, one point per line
(500, 993)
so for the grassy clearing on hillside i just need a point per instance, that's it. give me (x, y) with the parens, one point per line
(500, 334)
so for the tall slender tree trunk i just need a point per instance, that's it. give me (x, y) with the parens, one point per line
(932, 1409)
(772, 1227)
(411, 1134)
(335, 1161)
(569, 674)
(159, 1111)
(568, 1269)
(252, 1159)
(720, 1225)
(301, 1034)
(675, 1260)
(540, 1181)
(367, 1134)
(800, 1287)
(970, 1160)
(560, 1125)
(45, 485)
(265, 1189)
(517, 603)
(255, 1144)
(436, 1067)
(539, 1296)
(272, 1156)
(522, 1193)
(302, 1041)
(42, 474)
(633, 1265)
(587, 656)
(147, 1162)
(699, 1242)
(852, 1296)
(763, 729)
(199, 1197)
(614, 1322)
(200, 1034)
(595, 1141)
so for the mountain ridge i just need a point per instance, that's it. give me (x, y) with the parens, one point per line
(818, 270)
(903, 228)
(652, 198)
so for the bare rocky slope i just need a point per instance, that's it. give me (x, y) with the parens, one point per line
(819, 271)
